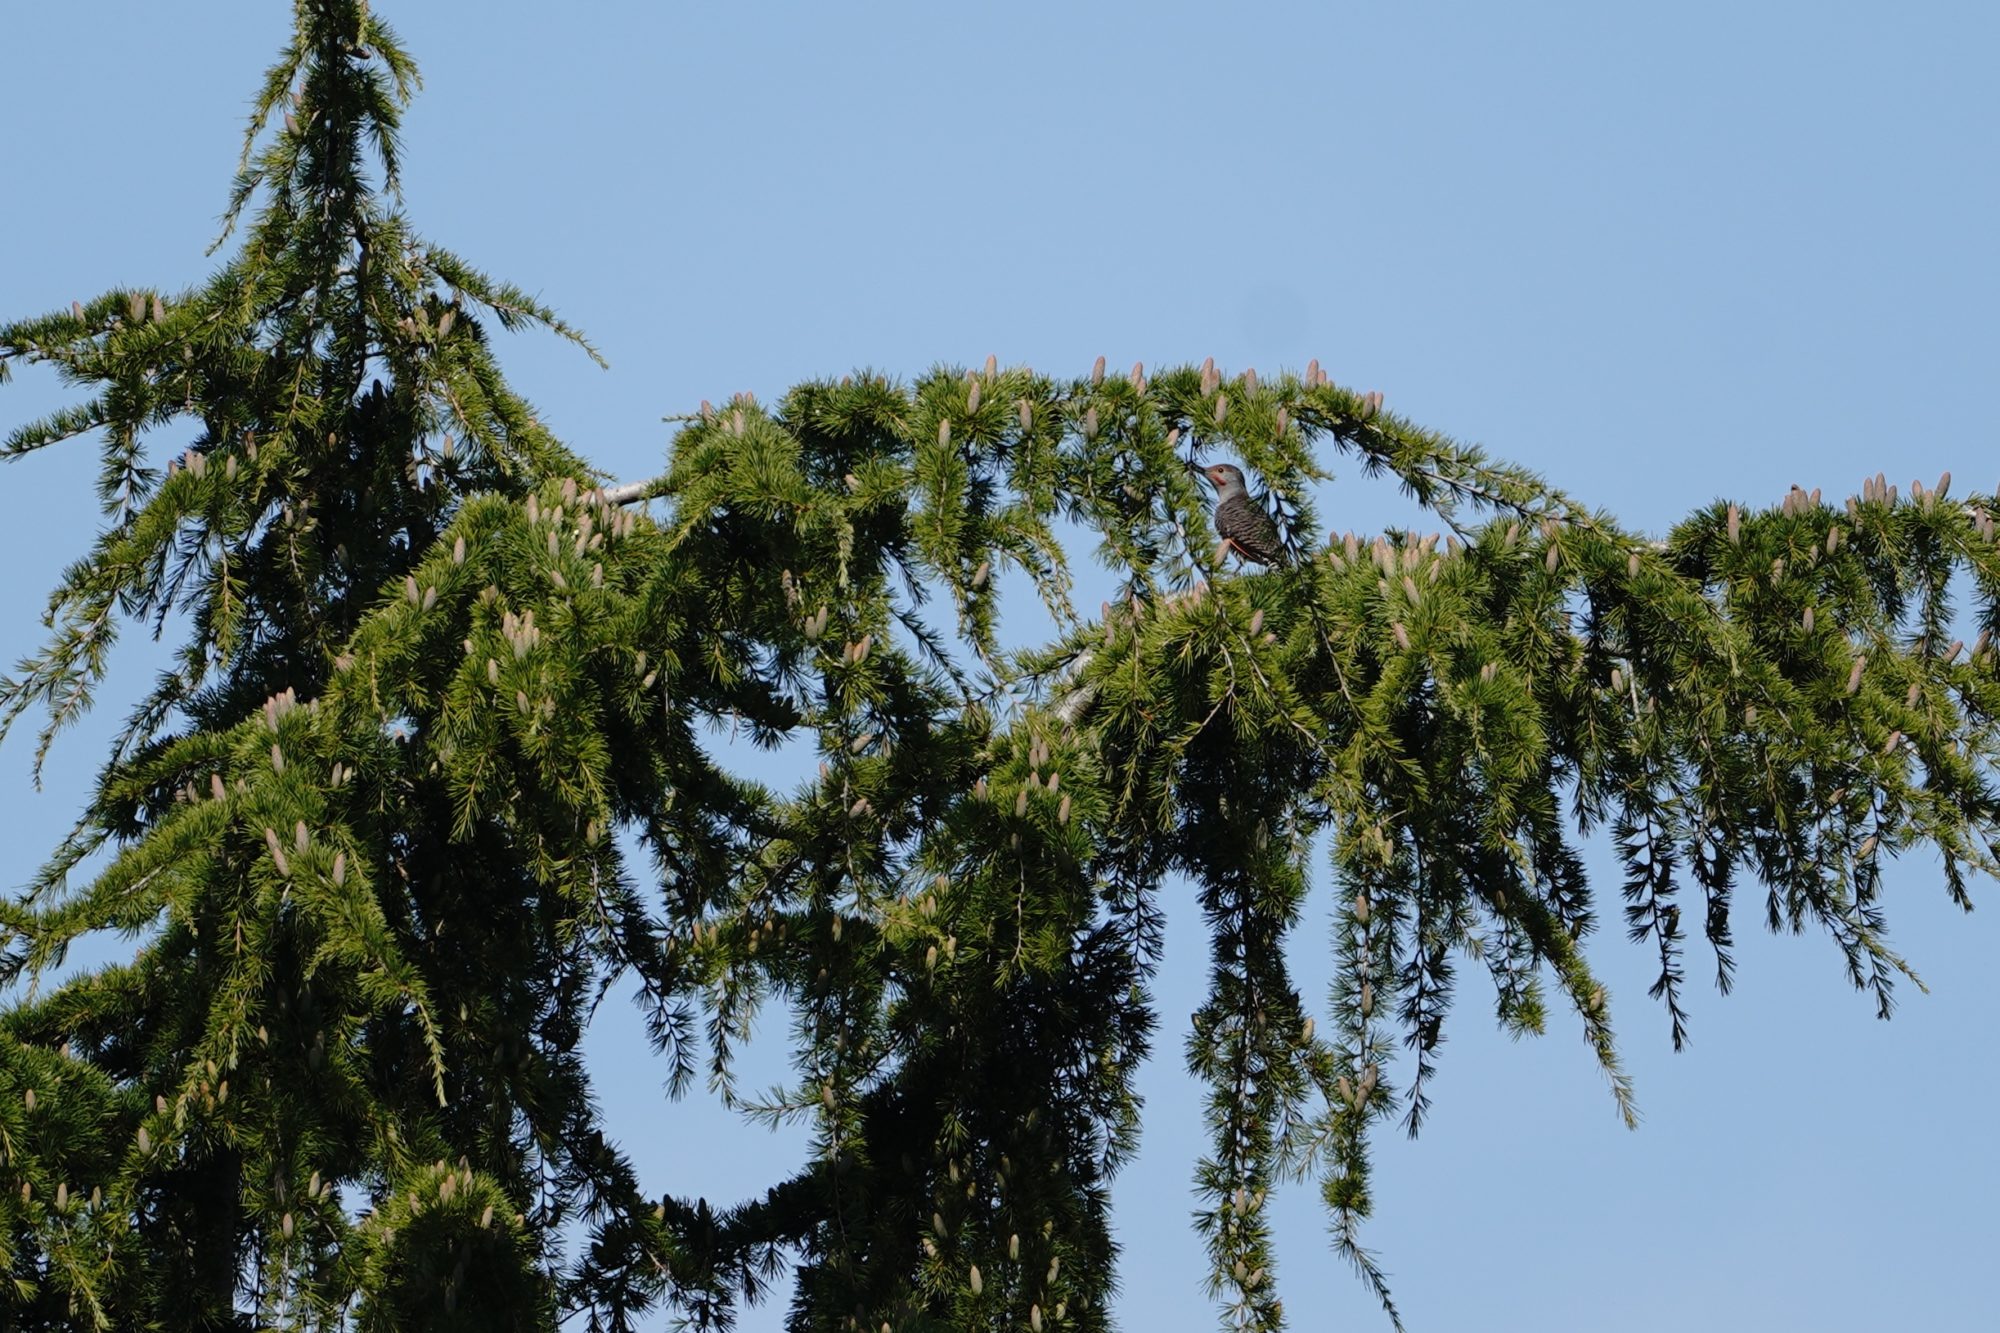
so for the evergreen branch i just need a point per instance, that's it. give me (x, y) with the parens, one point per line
(512, 306)
(386, 914)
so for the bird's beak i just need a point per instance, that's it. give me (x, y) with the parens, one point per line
(1198, 470)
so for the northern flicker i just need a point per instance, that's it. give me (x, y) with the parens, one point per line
(1240, 521)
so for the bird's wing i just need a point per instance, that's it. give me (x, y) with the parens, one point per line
(1244, 522)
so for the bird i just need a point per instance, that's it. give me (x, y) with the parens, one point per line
(1240, 521)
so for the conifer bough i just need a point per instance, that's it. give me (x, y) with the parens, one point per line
(360, 831)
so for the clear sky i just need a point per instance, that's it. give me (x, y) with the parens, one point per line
(1662, 253)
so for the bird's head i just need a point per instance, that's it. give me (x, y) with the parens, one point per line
(1227, 479)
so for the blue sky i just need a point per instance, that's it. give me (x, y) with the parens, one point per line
(1660, 253)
